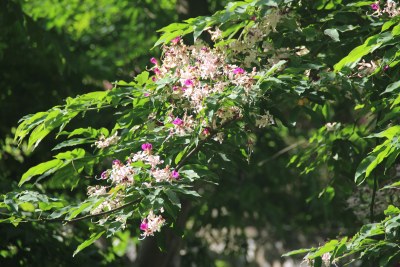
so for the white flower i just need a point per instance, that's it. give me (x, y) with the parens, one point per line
(264, 120)
(96, 190)
(330, 126)
(161, 175)
(121, 173)
(219, 137)
(326, 259)
(106, 142)
(151, 224)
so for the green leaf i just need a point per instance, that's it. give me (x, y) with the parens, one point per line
(371, 44)
(298, 251)
(142, 78)
(173, 198)
(73, 142)
(395, 185)
(179, 156)
(391, 87)
(333, 33)
(71, 155)
(81, 208)
(88, 242)
(45, 167)
(392, 210)
(328, 247)
(27, 206)
(396, 30)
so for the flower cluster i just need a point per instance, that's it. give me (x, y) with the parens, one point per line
(104, 142)
(151, 224)
(244, 48)
(199, 72)
(390, 9)
(109, 203)
(205, 88)
(123, 173)
(182, 126)
(265, 120)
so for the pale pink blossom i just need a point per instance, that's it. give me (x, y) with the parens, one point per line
(151, 224)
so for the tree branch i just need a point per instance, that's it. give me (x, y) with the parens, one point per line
(83, 217)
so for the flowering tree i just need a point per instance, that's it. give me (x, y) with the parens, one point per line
(328, 65)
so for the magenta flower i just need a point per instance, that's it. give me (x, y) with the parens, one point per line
(116, 162)
(238, 71)
(175, 88)
(178, 122)
(144, 225)
(189, 82)
(206, 131)
(375, 6)
(157, 71)
(176, 40)
(147, 146)
(175, 174)
(104, 175)
(153, 60)
(153, 79)
(386, 68)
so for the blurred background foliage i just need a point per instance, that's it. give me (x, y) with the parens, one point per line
(53, 49)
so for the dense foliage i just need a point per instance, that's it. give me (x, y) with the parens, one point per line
(281, 115)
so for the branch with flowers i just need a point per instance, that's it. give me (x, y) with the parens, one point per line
(196, 95)
(264, 67)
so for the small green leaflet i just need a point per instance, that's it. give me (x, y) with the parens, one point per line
(88, 242)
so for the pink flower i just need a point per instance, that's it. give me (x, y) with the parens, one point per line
(375, 6)
(153, 60)
(175, 174)
(153, 79)
(175, 88)
(146, 94)
(104, 175)
(176, 40)
(116, 162)
(147, 147)
(206, 131)
(144, 225)
(178, 122)
(238, 71)
(157, 71)
(386, 68)
(254, 18)
(189, 82)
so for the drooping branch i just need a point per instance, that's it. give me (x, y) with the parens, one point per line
(89, 216)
